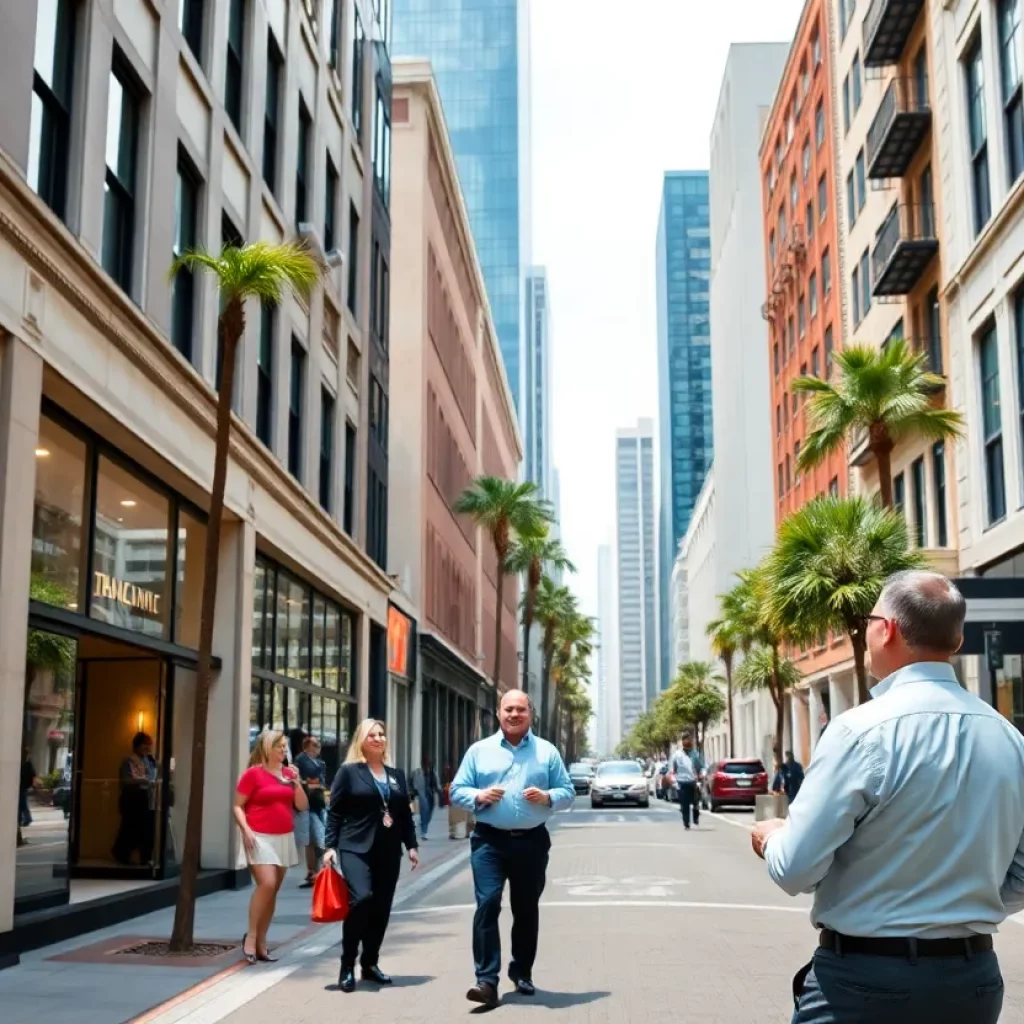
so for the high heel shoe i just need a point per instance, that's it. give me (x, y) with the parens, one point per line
(266, 958)
(250, 958)
(347, 979)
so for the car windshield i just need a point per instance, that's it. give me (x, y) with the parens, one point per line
(742, 768)
(580, 769)
(619, 768)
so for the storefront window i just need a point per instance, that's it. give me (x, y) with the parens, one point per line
(332, 647)
(129, 584)
(261, 623)
(346, 665)
(319, 632)
(292, 656)
(57, 517)
(1009, 695)
(189, 594)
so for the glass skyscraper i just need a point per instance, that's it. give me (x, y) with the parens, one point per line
(684, 373)
(479, 51)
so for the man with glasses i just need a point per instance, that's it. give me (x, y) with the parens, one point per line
(513, 782)
(909, 830)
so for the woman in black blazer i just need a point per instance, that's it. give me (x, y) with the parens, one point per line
(368, 821)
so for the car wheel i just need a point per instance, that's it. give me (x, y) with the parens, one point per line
(646, 804)
(594, 803)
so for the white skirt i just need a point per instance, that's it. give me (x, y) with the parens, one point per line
(278, 850)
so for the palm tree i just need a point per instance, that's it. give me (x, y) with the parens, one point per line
(723, 634)
(575, 637)
(830, 562)
(506, 511)
(553, 605)
(265, 272)
(763, 668)
(886, 393)
(534, 554)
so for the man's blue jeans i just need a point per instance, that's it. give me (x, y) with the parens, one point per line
(426, 813)
(858, 989)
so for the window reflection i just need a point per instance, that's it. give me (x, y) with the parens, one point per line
(191, 570)
(1010, 690)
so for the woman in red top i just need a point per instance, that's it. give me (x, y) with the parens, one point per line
(267, 792)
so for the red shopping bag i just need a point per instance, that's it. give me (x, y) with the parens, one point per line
(330, 896)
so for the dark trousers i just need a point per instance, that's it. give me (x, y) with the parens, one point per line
(858, 989)
(371, 878)
(688, 802)
(426, 813)
(521, 860)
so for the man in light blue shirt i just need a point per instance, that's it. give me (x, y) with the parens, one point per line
(513, 782)
(909, 831)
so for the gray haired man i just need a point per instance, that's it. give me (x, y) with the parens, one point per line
(909, 831)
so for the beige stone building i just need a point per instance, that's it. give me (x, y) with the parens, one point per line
(453, 418)
(132, 129)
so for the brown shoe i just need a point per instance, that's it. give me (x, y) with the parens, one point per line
(483, 992)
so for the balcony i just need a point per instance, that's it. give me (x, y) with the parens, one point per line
(903, 248)
(901, 123)
(886, 28)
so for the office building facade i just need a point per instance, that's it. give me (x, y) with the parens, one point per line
(683, 261)
(479, 50)
(637, 568)
(535, 400)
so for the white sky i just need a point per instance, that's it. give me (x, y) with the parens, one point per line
(622, 92)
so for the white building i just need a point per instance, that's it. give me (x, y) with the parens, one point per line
(608, 731)
(679, 616)
(637, 570)
(699, 553)
(535, 403)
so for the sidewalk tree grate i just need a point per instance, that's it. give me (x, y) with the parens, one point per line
(162, 948)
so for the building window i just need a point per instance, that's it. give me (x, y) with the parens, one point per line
(899, 493)
(855, 77)
(793, 196)
(326, 447)
(190, 22)
(792, 338)
(265, 377)
(376, 518)
(809, 219)
(788, 475)
(782, 486)
(378, 413)
(782, 225)
(974, 71)
(775, 357)
(119, 186)
(855, 294)
(233, 70)
(939, 476)
(822, 197)
(350, 478)
(382, 149)
(380, 288)
(50, 128)
(845, 14)
(801, 316)
(865, 284)
(992, 428)
(819, 125)
(1009, 65)
(851, 201)
(302, 164)
(833, 487)
(771, 248)
(353, 257)
(828, 351)
(186, 215)
(330, 205)
(826, 272)
(815, 362)
(812, 294)
(862, 191)
(918, 495)
(778, 420)
(847, 109)
(298, 381)
(271, 111)
(806, 158)
(934, 323)
(333, 33)
(358, 39)
(816, 48)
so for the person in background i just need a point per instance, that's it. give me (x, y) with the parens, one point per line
(137, 803)
(792, 772)
(778, 782)
(368, 821)
(688, 766)
(512, 782)
(310, 825)
(268, 793)
(29, 778)
(426, 785)
(909, 831)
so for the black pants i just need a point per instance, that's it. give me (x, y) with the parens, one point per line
(521, 860)
(688, 801)
(137, 832)
(371, 879)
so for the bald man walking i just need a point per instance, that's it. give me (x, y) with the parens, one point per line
(513, 782)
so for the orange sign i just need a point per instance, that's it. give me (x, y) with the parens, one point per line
(399, 635)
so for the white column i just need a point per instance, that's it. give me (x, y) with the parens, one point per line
(363, 657)
(840, 696)
(21, 383)
(816, 708)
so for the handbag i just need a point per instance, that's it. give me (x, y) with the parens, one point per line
(330, 896)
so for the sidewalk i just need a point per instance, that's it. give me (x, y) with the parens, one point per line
(87, 980)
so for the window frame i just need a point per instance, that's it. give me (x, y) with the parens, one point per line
(977, 134)
(992, 439)
(1011, 91)
(272, 112)
(328, 407)
(234, 66)
(296, 394)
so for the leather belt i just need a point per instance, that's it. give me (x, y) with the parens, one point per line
(486, 830)
(910, 949)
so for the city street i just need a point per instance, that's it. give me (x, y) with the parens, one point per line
(640, 921)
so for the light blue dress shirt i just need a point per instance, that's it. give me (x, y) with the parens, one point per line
(910, 821)
(495, 762)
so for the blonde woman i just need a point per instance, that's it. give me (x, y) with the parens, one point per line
(267, 793)
(368, 821)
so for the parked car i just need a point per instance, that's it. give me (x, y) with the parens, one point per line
(735, 781)
(581, 775)
(619, 782)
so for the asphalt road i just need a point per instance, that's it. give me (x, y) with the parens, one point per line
(641, 922)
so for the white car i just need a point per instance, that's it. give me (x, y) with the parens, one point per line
(619, 782)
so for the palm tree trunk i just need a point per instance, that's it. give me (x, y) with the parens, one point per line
(728, 701)
(859, 667)
(780, 706)
(558, 713)
(231, 326)
(527, 626)
(883, 456)
(545, 676)
(500, 585)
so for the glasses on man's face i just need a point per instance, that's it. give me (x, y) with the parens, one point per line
(868, 619)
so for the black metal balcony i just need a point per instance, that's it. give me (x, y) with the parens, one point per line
(904, 247)
(886, 27)
(901, 123)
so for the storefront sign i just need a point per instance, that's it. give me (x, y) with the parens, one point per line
(399, 643)
(129, 594)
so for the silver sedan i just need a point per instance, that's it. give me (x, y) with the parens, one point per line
(619, 782)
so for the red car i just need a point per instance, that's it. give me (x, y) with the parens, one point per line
(735, 781)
